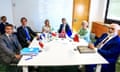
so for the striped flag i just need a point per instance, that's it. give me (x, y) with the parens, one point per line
(69, 33)
(41, 44)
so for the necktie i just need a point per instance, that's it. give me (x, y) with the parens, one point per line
(12, 42)
(10, 38)
(103, 42)
(27, 34)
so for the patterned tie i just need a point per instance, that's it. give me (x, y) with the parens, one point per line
(10, 38)
(14, 45)
(103, 42)
(27, 34)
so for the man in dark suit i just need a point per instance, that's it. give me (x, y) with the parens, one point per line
(25, 34)
(109, 47)
(64, 27)
(9, 49)
(2, 24)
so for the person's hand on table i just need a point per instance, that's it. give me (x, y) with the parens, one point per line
(17, 56)
(91, 45)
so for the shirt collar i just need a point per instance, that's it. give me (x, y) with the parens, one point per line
(112, 35)
(24, 26)
(7, 34)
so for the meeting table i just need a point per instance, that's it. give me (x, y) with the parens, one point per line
(61, 52)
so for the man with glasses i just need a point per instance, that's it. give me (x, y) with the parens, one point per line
(109, 47)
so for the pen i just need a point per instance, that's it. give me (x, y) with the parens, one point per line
(29, 58)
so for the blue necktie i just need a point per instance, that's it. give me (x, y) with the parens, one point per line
(27, 34)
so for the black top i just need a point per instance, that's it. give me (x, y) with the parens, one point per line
(67, 28)
(2, 27)
(22, 35)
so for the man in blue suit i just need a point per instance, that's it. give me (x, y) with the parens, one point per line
(109, 47)
(64, 27)
(2, 24)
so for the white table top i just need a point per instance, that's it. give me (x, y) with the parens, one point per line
(61, 52)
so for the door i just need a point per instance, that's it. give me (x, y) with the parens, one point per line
(80, 13)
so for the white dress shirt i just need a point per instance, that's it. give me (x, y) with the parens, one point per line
(109, 38)
(64, 25)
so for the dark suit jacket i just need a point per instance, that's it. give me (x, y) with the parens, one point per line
(22, 36)
(67, 28)
(111, 50)
(2, 27)
(8, 49)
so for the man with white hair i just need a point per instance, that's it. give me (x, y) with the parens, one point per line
(109, 47)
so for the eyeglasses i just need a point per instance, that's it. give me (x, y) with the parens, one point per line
(112, 28)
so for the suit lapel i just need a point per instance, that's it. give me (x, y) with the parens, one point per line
(8, 42)
(6, 39)
(109, 42)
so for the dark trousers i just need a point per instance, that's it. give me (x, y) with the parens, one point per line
(105, 68)
(59, 69)
(13, 68)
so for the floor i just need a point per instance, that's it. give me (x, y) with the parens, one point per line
(2, 68)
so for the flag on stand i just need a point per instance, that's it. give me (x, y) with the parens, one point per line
(54, 34)
(42, 36)
(69, 33)
(76, 38)
(41, 44)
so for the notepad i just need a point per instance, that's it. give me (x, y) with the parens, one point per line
(85, 49)
(30, 51)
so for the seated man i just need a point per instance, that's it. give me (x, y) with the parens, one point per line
(65, 28)
(25, 33)
(2, 24)
(109, 47)
(9, 49)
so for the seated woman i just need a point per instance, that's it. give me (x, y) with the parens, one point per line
(46, 28)
(84, 32)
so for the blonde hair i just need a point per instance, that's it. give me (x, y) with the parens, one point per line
(84, 22)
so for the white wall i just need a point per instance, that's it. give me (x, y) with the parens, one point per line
(101, 10)
(38, 10)
(28, 9)
(6, 10)
(97, 11)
